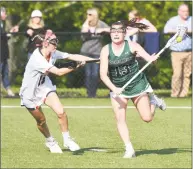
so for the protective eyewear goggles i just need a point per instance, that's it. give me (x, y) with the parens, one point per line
(53, 41)
(119, 30)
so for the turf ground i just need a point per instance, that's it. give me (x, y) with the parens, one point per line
(163, 143)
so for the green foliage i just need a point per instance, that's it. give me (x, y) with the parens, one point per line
(68, 16)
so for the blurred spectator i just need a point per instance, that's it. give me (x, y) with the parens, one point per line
(181, 53)
(91, 47)
(34, 27)
(134, 14)
(145, 36)
(4, 67)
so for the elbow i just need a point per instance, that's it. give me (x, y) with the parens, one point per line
(59, 73)
(102, 77)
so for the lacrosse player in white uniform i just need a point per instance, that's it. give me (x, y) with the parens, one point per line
(37, 88)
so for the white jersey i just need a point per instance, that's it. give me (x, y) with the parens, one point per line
(36, 84)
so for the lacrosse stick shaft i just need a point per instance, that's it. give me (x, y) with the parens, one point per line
(91, 61)
(144, 67)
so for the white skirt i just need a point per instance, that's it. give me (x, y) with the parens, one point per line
(148, 90)
(39, 96)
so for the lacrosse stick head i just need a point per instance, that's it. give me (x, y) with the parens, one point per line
(178, 37)
(181, 30)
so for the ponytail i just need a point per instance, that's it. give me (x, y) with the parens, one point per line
(131, 23)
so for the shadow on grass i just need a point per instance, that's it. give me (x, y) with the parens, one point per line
(138, 152)
(164, 151)
(91, 149)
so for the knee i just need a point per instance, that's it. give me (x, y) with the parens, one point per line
(147, 119)
(62, 115)
(41, 121)
(59, 111)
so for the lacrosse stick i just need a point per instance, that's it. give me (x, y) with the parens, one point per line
(73, 64)
(181, 31)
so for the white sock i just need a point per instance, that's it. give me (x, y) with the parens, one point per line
(66, 135)
(50, 139)
(128, 146)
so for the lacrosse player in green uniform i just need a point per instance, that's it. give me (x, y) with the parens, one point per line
(118, 65)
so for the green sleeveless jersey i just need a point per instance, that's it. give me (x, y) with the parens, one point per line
(122, 68)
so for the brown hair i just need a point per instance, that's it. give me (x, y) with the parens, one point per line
(130, 23)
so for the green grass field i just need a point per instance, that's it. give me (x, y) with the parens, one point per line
(163, 143)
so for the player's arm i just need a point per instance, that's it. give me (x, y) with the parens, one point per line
(104, 68)
(140, 52)
(77, 57)
(74, 57)
(62, 71)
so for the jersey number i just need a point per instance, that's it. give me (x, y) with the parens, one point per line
(42, 80)
(121, 71)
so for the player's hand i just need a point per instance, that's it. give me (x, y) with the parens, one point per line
(117, 91)
(154, 58)
(80, 64)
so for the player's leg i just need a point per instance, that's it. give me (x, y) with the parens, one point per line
(41, 121)
(145, 109)
(155, 102)
(119, 107)
(54, 103)
(42, 126)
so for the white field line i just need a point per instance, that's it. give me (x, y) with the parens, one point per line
(98, 107)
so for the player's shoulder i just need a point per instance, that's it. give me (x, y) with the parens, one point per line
(134, 46)
(105, 49)
(36, 55)
(131, 43)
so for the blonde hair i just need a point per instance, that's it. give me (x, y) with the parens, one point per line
(31, 24)
(95, 13)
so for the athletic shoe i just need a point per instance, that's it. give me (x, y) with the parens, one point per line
(158, 102)
(129, 154)
(70, 144)
(53, 146)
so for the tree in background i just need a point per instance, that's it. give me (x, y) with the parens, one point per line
(67, 16)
